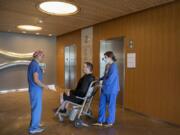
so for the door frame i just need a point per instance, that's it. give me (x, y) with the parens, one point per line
(124, 63)
(69, 61)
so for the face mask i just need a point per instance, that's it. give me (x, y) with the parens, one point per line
(105, 60)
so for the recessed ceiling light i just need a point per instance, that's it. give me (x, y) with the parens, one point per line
(40, 21)
(58, 8)
(29, 27)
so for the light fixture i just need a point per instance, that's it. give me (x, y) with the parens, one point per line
(50, 35)
(29, 27)
(58, 8)
(37, 33)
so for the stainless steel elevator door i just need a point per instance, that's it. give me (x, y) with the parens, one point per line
(117, 46)
(70, 66)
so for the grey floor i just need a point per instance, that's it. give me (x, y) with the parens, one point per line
(15, 117)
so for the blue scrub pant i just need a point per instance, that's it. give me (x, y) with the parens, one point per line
(36, 107)
(110, 101)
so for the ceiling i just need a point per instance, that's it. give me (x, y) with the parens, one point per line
(16, 12)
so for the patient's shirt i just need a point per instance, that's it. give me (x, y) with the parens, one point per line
(83, 85)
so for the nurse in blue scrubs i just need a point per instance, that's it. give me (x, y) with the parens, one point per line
(35, 78)
(109, 92)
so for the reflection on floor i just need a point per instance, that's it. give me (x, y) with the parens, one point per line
(15, 116)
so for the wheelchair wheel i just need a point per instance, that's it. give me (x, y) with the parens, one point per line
(90, 114)
(61, 119)
(78, 123)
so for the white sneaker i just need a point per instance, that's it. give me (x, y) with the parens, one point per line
(39, 130)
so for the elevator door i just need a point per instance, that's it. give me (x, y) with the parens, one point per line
(117, 46)
(70, 66)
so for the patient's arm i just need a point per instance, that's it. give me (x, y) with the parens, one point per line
(61, 98)
(67, 91)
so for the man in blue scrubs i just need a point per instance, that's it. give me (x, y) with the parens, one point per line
(35, 78)
(109, 92)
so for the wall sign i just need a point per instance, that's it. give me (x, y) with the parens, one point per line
(131, 60)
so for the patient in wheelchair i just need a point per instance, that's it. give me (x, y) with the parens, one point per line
(80, 90)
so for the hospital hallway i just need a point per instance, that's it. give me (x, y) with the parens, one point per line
(15, 117)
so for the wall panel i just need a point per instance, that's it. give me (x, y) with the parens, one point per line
(153, 88)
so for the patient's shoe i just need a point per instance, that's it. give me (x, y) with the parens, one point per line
(63, 110)
(98, 124)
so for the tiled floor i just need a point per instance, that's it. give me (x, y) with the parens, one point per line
(15, 116)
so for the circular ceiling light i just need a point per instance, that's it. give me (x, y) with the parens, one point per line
(29, 27)
(58, 8)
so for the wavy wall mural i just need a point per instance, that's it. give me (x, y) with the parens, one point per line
(22, 59)
(14, 63)
(16, 55)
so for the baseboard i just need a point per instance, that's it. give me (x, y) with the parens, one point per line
(154, 119)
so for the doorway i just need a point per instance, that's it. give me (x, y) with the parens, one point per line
(117, 46)
(70, 66)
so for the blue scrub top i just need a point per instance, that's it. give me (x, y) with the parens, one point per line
(111, 80)
(33, 68)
